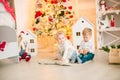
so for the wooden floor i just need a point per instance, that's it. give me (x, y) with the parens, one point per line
(99, 69)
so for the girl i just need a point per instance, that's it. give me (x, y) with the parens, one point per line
(66, 51)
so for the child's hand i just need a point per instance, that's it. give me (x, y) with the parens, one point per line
(85, 51)
(80, 51)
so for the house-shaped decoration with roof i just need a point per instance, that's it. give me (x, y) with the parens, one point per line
(77, 29)
(30, 42)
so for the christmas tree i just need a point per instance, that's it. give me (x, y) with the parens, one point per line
(52, 16)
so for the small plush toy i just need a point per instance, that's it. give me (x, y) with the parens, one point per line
(103, 5)
(112, 21)
(22, 47)
(24, 55)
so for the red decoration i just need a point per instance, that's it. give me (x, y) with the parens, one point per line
(50, 19)
(103, 5)
(71, 16)
(68, 37)
(70, 7)
(45, 0)
(25, 56)
(38, 13)
(22, 32)
(65, 7)
(112, 23)
(34, 29)
(2, 46)
(54, 2)
(63, 0)
(66, 12)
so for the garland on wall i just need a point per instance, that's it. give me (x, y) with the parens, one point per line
(52, 16)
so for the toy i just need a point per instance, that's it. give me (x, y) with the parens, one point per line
(103, 5)
(112, 21)
(2, 46)
(24, 55)
(23, 47)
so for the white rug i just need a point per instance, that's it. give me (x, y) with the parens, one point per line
(53, 62)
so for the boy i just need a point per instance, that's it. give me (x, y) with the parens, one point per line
(86, 51)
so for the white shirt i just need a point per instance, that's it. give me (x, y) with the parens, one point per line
(65, 51)
(87, 45)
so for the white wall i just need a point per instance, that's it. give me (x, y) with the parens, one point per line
(24, 13)
(86, 8)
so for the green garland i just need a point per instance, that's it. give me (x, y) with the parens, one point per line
(107, 49)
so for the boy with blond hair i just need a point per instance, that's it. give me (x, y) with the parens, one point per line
(86, 50)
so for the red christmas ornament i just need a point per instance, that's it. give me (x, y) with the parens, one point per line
(34, 29)
(66, 12)
(28, 57)
(70, 7)
(65, 7)
(50, 19)
(71, 16)
(54, 1)
(63, 0)
(38, 13)
(2, 45)
(68, 37)
(45, 0)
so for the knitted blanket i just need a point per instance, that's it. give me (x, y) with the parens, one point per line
(53, 62)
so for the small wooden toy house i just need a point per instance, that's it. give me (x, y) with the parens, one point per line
(31, 42)
(77, 31)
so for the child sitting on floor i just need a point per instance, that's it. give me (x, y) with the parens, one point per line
(66, 51)
(86, 51)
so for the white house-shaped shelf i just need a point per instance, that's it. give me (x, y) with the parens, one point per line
(77, 29)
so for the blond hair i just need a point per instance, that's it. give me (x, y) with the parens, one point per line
(59, 33)
(87, 31)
